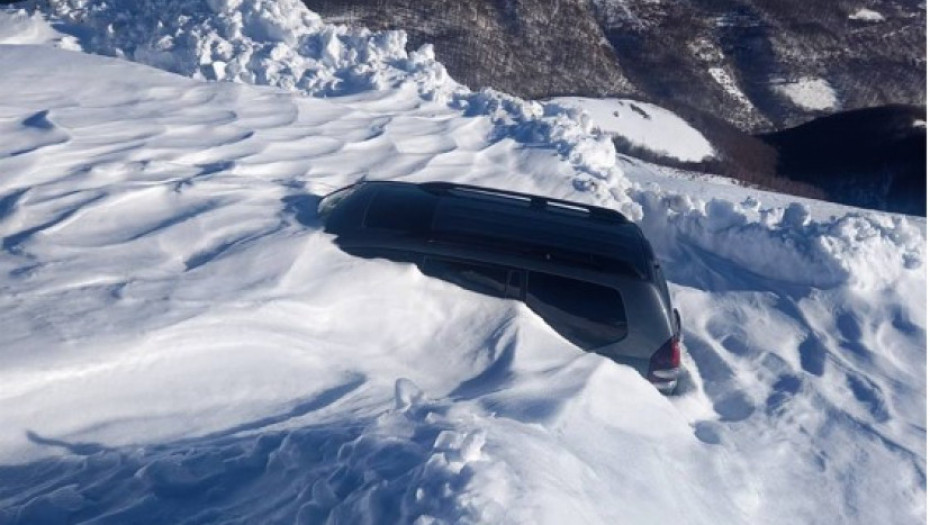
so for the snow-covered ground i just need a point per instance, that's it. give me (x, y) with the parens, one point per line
(645, 125)
(726, 80)
(867, 15)
(808, 93)
(179, 341)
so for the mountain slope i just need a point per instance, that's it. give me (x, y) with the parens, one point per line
(760, 64)
(526, 47)
(765, 64)
(874, 157)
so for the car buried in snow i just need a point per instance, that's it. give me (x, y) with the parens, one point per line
(587, 271)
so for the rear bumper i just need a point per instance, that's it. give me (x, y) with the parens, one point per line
(665, 381)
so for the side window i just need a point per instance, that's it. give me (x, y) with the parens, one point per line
(482, 278)
(587, 314)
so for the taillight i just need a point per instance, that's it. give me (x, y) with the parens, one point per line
(664, 364)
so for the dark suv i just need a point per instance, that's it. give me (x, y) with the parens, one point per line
(587, 271)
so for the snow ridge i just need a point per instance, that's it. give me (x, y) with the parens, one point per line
(264, 42)
(862, 250)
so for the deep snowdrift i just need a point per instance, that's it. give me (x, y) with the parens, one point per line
(180, 341)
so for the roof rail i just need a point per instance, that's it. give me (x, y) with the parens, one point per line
(536, 201)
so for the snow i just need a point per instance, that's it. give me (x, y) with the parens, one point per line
(809, 93)
(282, 44)
(179, 340)
(644, 125)
(21, 27)
(279, 43)
(729, 84)
(867, 15)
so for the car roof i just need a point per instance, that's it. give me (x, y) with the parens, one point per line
(479, 214)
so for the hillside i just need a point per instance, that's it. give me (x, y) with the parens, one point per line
(760, 64)
(873, 158)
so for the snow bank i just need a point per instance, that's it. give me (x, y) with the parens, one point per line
(267, 42)
(862, 250)
(548, 125)
(21, 27)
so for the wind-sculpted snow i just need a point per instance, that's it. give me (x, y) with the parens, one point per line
(163, 230)
(567, 130)
(284, 45)
(180, 340)
(415, 461)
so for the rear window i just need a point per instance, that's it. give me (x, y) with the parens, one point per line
(401, 209)
(331, 201)
(587, 314)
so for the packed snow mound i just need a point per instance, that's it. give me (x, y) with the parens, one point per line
(863, 250)
(645, 125)
(550, 125)
(22, 27)
(269, 42)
